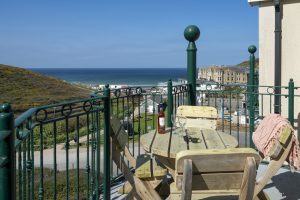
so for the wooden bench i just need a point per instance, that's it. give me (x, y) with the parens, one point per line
(149, 172)
(219, 173)
(198, 116)
(147, 167)
(227, 173)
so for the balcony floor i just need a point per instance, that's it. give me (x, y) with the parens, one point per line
(284, 185)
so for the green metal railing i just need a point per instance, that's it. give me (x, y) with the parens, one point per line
(42, 150)
(240, 110)
(62, 151)
(66, 147)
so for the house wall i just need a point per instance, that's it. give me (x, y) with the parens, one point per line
(290, 63)
(215, 73)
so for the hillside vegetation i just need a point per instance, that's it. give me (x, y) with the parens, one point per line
(246, 63)
(24, 89)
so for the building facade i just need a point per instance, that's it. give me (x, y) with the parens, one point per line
(224, 74)
(290, 45)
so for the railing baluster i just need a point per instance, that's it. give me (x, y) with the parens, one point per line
(93, 142)
(29, 159)
(28, 169)
(67, 157)
(133, 125)
(175, 99)
(41, 188)
(146, 110)
(98, 147)
(77, 158)
(139, 124)
(87, 166)
(101, 137)
(54, 161)
(24, 168)
(178, 101)
(32, 157)
(153, 110)
(247, 123)
(20, 171)
(222, 110)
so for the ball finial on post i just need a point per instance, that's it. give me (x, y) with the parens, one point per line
(251, 92)
(252, 49)
(5, 108)
(191, 33)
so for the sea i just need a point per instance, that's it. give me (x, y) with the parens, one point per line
(115, 76)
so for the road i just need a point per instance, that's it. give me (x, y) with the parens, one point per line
(48, 157)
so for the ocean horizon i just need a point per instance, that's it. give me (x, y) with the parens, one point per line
(115, 76)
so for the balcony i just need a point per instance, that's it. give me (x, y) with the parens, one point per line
(64, 151)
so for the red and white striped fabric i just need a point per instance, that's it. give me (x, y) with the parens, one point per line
(269, 130)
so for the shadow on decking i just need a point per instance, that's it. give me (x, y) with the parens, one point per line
(284, 185)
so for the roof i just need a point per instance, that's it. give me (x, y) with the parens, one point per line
(237, 69)
(256, 2)
(232, 68)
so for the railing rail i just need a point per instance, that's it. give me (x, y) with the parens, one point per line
(45, 129)
(63, 150)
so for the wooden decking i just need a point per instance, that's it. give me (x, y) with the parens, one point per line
(284, 185)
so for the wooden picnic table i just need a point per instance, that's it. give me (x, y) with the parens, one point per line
(166, 146)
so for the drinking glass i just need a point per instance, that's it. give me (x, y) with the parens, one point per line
(182, 124)
(173, 120)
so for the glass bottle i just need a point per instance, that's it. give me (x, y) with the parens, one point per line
(161, 119)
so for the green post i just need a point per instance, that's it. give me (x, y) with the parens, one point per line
(291, 101)
(106, 178)
(7, 153)
(191, 33)
(170, 103)
(251, 93)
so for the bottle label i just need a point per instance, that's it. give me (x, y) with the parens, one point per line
(161, 121)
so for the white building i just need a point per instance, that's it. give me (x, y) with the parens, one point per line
(290, 48)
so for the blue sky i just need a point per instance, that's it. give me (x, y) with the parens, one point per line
(116, 33)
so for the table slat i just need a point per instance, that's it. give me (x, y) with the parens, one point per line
(200, 144)
(160, 144)
(228, 140)
(212, 140)
(168, 145)
(177, 144)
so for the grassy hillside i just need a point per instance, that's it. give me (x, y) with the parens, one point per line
(24, 89)
(246, 63)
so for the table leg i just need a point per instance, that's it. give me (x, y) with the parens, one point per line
(169, 163)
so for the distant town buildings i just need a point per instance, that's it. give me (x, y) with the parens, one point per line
(100, 87)
(224, 74)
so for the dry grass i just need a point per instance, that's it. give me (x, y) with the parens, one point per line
(24, 89)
